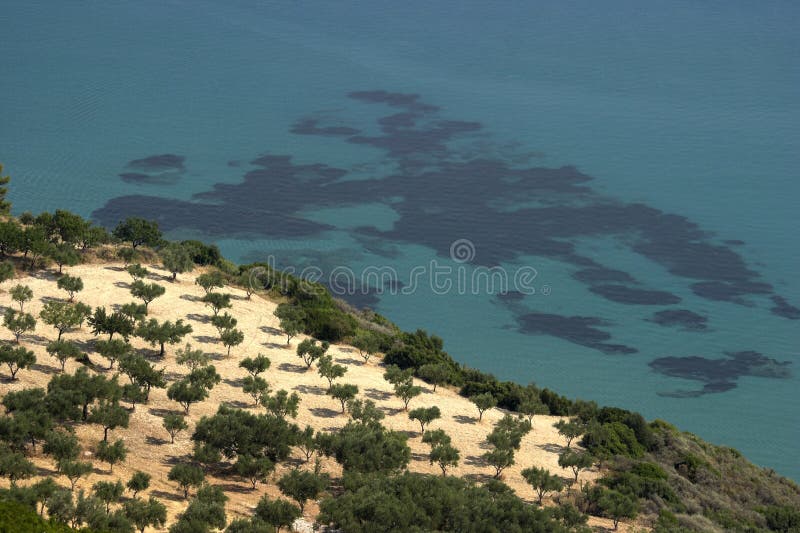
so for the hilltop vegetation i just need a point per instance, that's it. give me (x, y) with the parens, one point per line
(152, 384)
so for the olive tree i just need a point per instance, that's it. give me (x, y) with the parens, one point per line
(138, 482)
(18, 323)
(186, 476)
(425, 415)
(542, 481)
(344, 392)
(71, 284)
(176, 259)
(302, 486)
(62, 316)
(309, 351)
(174, 424)
(163, 333)
(329, 370)
(483, 402)
(21, 294)
(16, 358)
(292, 320)
(138, 231)
(146, 292)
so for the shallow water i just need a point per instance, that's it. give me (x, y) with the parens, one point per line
(639, 161)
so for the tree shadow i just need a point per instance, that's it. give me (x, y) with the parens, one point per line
(310, 389)
(115, 268)
(32, 338)
(324, 412)
(239, 404)
(163, 495)
(197, 317)
(237, 382)
(269, 330)
(551, 447)
(474, 460)
(45, 369)
(420, 457)
(235, 487)
(274, 345)
(122, 284)
(349, 361)
(289, 367)
(157, 411)
(155, 441)
(48, 299)
(189, 298)
(377, 394)
(208, 339)
(391, 411)
(464, 419)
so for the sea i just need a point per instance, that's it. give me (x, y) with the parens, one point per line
(598, 197)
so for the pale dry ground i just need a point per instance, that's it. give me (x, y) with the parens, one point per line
(148, 442)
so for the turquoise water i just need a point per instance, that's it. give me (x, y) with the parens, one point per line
(688, 109)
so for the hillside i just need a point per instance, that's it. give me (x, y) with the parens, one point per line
(150, 450)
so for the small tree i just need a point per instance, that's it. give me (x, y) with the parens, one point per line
(278, 513)
(176, 258)
(102, 322)
(576, 461)
(570, 430)
(7, 271)
(63, 350)
(445, 455)
(282, 404)
(434, 373)
(425, 415)
(617, 505)
(542, 481)
(146, 513)
(62, 316)
(146, 292)
(292, 320)
(138, 482)
(223, 322)
(174, 424)
(62, 446)
(113, 350)
(111, 453)
(329, 370)
(74, 470)
(163, 333)
(186, 476)
(365, 412)
(71, 284)
(255, 365)
(230, 338)
(110, 415)
(15, 466)
(64, 254)
(499, 459)
(210, 281)
(309, 351)
(133, 311)
(18, 323)
(531, 406)
(256, 387)
(254, 469)
(43, 490)
(302, 486)
(344, 392)
(194, 388)
(128, 255)
(137, 271)
(307, 442)
(192, 358)
(217, 301)
(483, 402)
(108, 492)
(407, 391)
(21, 294)
(366, 342)
(138, 231)
(16, 358)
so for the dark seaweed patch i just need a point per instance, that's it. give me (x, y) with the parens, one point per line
(445, 185)
(157, 163)
(784, 308)
(688, 320)
(600, 274)
(149, 179)
(721, 374)
(628, 295)
(576, 329)
(310, 126)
